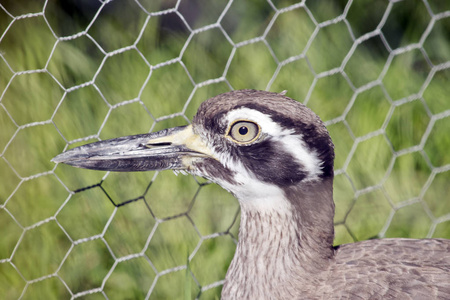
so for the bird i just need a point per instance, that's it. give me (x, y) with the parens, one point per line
(276, 157)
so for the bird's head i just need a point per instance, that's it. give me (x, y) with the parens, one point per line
(252, 143)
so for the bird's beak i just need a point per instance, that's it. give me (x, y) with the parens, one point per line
(173, 148)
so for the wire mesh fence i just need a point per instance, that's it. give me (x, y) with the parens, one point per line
(377, 72)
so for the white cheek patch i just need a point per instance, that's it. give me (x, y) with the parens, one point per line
(292, 144)
(253, 194)
(295, 146)
(256, 195)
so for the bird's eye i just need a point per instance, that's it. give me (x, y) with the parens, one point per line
(244, 131)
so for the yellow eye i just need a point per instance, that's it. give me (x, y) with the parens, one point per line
(244, 131)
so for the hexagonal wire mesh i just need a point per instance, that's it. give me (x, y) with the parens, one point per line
(377, 73)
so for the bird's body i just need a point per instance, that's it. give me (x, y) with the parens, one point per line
(276, 156)
(270, 267)
(393, 269)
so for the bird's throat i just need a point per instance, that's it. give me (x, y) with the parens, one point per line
(277, 250)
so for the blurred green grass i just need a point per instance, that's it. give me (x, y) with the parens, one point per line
(177, 215)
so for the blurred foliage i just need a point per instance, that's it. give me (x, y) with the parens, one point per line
(124, 93)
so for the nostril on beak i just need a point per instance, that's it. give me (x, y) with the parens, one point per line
(155, 144)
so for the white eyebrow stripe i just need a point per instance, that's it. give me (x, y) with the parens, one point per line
(270, 127)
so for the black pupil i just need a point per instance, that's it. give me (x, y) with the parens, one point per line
(243, 130)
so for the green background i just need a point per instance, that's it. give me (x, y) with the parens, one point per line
(73, 72)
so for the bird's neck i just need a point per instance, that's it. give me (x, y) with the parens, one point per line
(285, 248)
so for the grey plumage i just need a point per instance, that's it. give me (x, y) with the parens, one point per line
(282, 176)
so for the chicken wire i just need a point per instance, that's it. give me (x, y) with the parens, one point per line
(69, 233)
